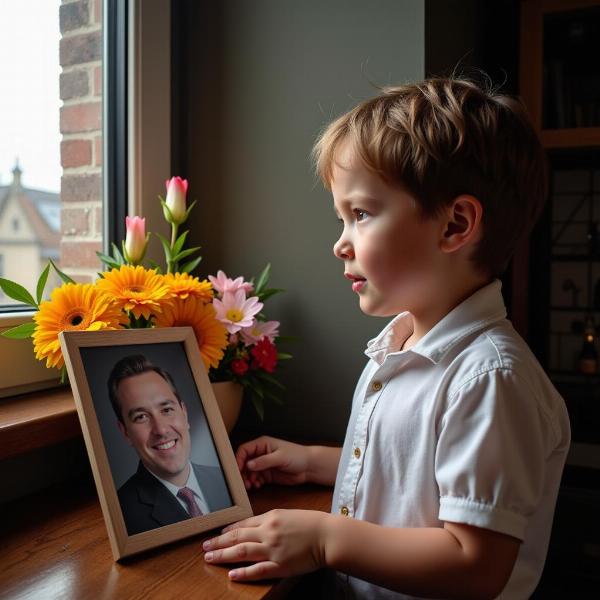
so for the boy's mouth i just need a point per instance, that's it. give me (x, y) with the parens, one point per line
(358, 283)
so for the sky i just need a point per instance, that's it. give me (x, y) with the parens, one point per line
(29, 92)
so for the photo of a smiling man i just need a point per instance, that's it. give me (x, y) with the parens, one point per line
(167, 487)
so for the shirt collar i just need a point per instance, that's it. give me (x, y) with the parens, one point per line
(191, 483)
(481, 309)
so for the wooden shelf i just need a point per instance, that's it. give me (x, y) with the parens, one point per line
(579, 137)
(37, 420)
(54, 545)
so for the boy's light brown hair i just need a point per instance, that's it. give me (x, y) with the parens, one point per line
(442, 138)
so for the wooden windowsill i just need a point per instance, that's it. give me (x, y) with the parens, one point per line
(37, 420)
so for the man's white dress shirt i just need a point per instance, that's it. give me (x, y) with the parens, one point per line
(191, 483)
(465, 426)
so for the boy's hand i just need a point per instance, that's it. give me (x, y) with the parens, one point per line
(280, 543)
(270, 460)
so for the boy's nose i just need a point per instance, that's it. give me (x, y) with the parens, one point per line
(343, 249)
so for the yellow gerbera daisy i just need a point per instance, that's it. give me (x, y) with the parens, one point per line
(79, 307)
(184, 285)
(210, 333)
(137, 290)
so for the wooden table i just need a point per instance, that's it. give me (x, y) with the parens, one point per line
(55, 545)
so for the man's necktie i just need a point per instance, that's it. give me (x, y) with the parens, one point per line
(188, 497)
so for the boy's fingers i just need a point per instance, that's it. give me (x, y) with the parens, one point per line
(247, 551)
(232, 537)
(260, 570)
(266, 461)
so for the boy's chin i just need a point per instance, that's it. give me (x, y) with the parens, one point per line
(373, 309)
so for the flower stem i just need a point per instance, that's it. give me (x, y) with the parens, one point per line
(172, 266)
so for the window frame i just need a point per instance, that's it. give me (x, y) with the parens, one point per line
(136, 134)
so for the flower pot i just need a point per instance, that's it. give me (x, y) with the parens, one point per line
(229, 399)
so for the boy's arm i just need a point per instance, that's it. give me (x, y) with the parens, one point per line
(456, 561)
(323, 464)
(271, 460)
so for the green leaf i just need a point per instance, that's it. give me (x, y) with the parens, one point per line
(284, 356)
(166, 246)
(179, 242)
(64, 376)
(259, 405)
(166, 211)
(255, 386)
(187, 212)
(262, 280)
(271, 379)
(41, 284)
(20, 332)
(266, 294)
(17, 292)
(185, 254)
(274, 397)
(155, 265)
(108, 261)
(190, 266)
(62, 275)
(117, 254)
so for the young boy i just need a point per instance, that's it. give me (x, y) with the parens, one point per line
(447, 481)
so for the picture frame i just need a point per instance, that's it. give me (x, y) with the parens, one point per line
(162, 416)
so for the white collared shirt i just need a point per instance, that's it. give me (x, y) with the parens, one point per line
(191, 483)
(465, 426)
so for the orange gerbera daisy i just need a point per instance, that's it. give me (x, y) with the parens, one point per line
(72, 307)
(137, 290)
(184, 285)
(210, 333)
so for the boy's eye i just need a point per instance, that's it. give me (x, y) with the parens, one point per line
(360, 214)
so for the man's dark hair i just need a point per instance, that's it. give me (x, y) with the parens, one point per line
(128, 367)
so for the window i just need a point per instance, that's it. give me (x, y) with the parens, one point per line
(100, 47)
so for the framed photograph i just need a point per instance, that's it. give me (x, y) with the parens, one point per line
(161, 457)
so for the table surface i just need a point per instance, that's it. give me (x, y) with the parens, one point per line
(55, 545)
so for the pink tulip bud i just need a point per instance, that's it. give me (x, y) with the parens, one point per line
(135, 240)
(175, 201)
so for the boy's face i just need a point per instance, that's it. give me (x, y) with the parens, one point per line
(390, 252)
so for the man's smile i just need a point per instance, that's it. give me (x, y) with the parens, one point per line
(165, 445)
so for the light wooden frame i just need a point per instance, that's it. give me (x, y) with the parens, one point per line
(123, 544)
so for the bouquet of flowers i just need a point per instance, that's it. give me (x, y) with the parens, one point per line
(237, 343)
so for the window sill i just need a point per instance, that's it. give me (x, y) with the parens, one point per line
(37, 420)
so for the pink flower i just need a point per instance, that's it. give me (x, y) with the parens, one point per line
(258, 330)
(221, 283)
(136, 240)
(175, 201)
(235, 312)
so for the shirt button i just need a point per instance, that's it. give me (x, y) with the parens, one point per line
(376, 386)
(357, 452)
(344, 510)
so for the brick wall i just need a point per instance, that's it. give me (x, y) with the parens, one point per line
(81, 129)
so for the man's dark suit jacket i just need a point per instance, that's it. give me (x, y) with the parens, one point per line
(147, 504)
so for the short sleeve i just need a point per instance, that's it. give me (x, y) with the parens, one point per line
(490, 458)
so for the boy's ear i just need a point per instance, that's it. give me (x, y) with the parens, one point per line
(463, 223)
